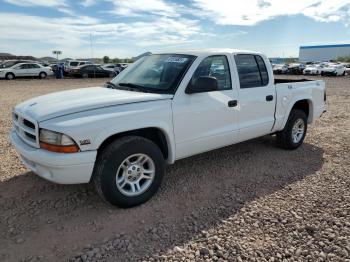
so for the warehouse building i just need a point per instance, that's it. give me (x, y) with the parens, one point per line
(323, 52)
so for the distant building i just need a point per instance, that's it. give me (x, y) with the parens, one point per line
(323, 52)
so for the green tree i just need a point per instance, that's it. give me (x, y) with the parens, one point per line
(106, 59)
(344, 59)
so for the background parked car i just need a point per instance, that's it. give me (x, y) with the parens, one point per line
(53, 67)
(121, 66)
(333, 70)
(296, 68)
(10, 63)
(280, 69)
(86, 71)
(112, 67)
(25, 70)
(69, 65)
(315, 69)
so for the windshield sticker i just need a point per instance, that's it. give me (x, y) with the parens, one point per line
(174, 59)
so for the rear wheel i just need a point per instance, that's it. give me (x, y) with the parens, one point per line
(10, 76)
(85, 75)
(42, 75)
(292, 136)
(129, 171)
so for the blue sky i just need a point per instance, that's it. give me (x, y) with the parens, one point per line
(125, 28)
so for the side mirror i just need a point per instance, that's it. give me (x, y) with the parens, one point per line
(203, 84)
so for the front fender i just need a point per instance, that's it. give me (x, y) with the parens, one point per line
(162, 126)
(90, 128)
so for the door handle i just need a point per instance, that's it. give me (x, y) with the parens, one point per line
(269, 98)
(232, 103)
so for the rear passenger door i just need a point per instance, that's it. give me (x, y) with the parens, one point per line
(34, 70)
(256, 96)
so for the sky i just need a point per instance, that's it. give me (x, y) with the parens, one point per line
(127, 28)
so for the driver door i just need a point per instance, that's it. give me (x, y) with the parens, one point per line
(206, 120)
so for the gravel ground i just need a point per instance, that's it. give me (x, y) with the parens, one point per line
(247, 202)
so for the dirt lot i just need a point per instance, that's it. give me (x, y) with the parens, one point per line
(251, 201)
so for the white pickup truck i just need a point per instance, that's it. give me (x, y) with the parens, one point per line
(162, 108)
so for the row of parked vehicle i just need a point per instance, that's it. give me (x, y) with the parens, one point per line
(317, 68)
(12, 69)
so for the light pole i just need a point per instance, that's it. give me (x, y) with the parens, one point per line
(57, 52)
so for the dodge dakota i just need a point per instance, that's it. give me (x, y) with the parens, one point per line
(162, 108)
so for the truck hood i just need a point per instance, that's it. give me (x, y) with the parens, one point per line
(77, 100)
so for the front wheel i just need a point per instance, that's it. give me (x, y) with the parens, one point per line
(129, 171)
(10, 76)
(42, 75)
(293, 134)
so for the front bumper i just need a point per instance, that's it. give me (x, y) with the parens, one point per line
(74, 168)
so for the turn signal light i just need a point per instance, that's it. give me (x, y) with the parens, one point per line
(59, 149)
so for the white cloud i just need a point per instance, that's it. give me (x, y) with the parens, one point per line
(73, 34)
(88, 3)
(251, 12)
(140, 7)
(45, 3)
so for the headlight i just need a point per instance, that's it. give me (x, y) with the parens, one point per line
(57, 142)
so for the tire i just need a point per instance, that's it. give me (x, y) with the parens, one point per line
(285, 138)
(42, 75)
(111, 75)
(10, 76)
(109, 176)
(85, 75)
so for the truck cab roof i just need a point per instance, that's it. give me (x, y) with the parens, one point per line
(208, 52)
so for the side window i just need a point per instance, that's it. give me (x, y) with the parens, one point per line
(25, 66)
(34, 66)
(251, 70)
(214, 66)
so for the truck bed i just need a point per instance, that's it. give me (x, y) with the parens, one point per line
(286, 80)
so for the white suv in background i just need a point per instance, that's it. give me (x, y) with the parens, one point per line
(73, 64)
(334, 70)
(25, 70)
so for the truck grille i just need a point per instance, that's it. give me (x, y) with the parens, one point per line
(26, 128)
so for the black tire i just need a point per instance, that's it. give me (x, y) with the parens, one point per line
(42, 75)
(85, 75)
(108, 162)
(10, 76)
(111, 75)
(284, 137)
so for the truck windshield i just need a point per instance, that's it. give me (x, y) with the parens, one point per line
(155, 73)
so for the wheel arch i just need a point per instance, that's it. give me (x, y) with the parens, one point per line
(10, 73)
(155, 134)
(303, 104)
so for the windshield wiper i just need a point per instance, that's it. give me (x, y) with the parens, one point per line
(135, 86)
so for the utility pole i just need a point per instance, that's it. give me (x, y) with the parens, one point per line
(57, 52)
